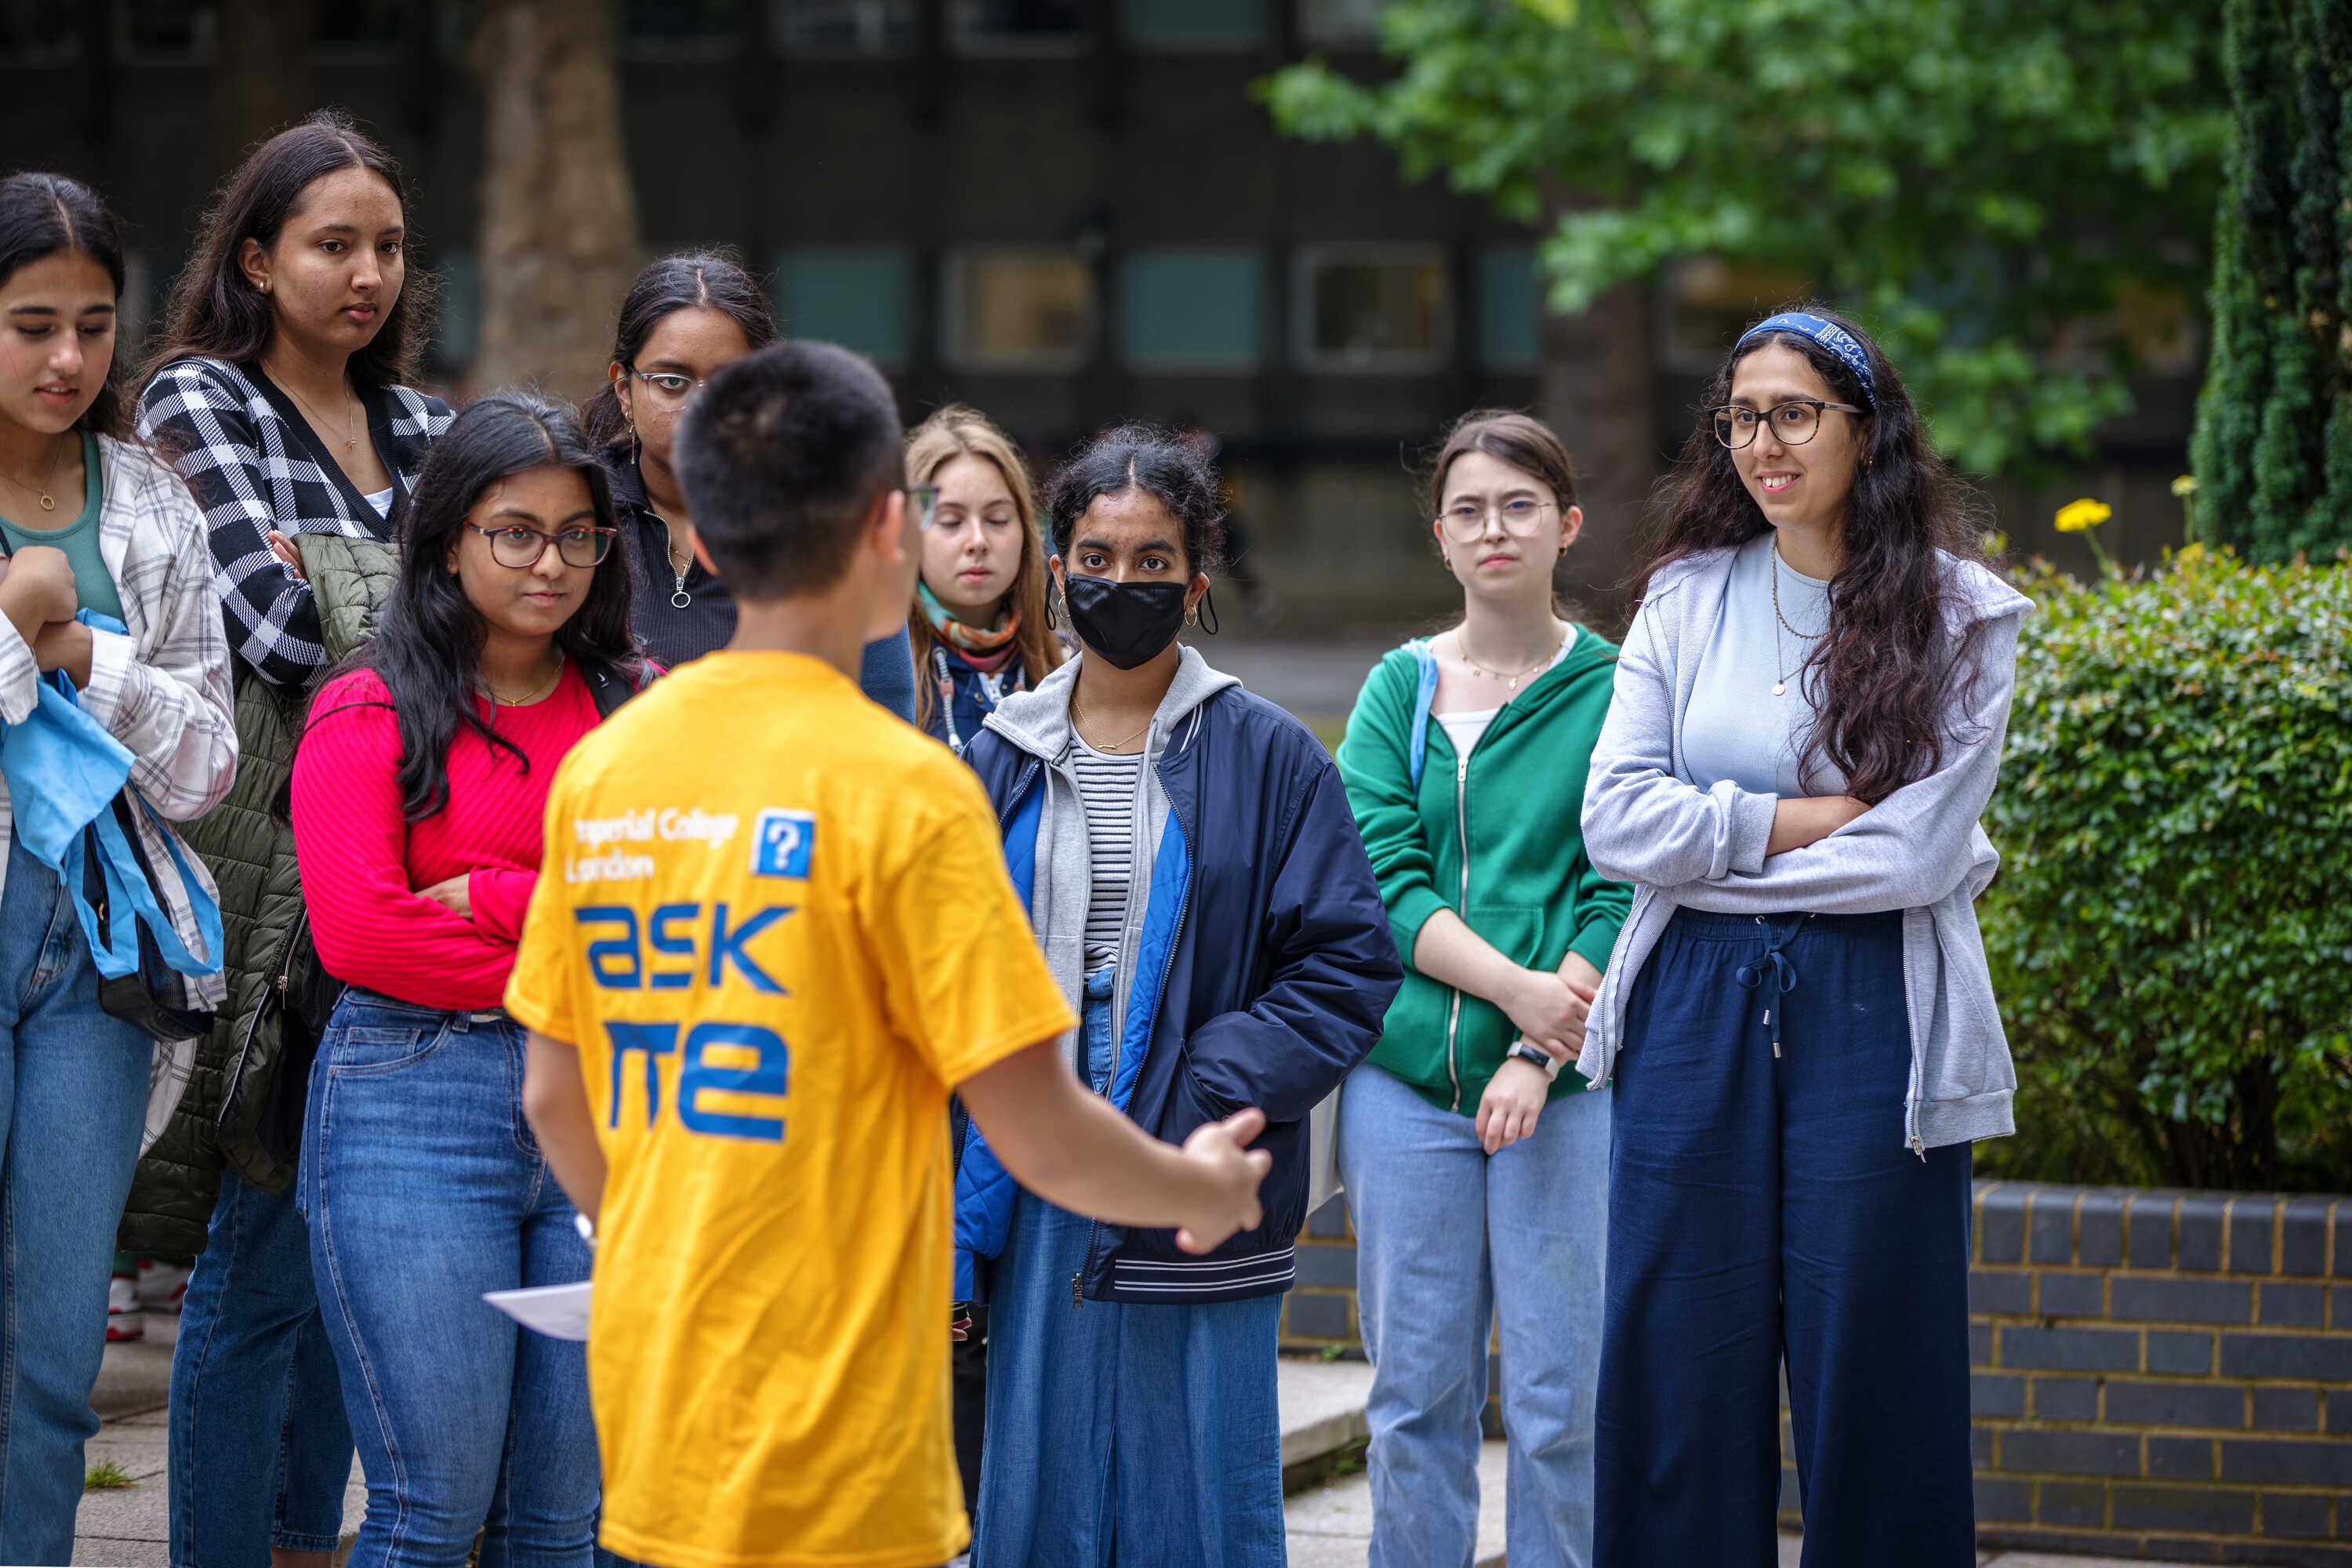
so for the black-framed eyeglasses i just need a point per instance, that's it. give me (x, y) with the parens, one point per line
(1794, 423)
(922, 504)
(666, 390)
(521, 549)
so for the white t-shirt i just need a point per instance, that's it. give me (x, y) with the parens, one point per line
(382, 501)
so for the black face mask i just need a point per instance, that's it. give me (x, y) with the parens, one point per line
(1128, 622)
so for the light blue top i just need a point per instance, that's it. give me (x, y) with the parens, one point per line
(78, 539)
(1736, 729)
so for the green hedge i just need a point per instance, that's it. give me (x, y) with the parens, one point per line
(2171, 930)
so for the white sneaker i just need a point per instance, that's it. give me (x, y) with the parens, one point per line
(162, 1285)
(123, 1319)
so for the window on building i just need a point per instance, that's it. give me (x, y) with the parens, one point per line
(1510, 308)
(1019, 26)
(459, 319)
(1019, 310)
(679, 21)
(1710, 302)
(1374, 307)
(1192, 310)
(1193, 23)
(861, 297)
(845, 26)
(1339, 21)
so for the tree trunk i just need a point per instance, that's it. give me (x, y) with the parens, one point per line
(1598, 392)
(261, 78)
(2274, 443)
(559, 231)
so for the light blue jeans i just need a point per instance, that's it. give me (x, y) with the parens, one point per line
(424, 1188)
(1448, 1241)
(260, 1448)
(1122, 1434)
(73, 1100)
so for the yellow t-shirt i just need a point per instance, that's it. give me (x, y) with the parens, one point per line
(776, 923)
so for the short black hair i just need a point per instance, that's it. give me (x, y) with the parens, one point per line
(781, 457)
(1161, 464)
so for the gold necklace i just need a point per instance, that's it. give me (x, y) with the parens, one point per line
(1079, 720)
(1462, 646)
(539, 695)
(350, 441)
(44, 490)
(1780, 669)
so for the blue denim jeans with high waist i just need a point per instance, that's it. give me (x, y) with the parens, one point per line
(1122, 1434)
(73, 1099)
(424, 1188)
(260, 1448)
(1451, 1242)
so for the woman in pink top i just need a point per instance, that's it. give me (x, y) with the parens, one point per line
(418, 792)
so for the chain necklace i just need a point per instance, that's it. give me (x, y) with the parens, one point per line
(679, 598)
(1780, 671)
(539, 694)
(350, 441)
(47, 486)
(1510, 678)
(1115, 747)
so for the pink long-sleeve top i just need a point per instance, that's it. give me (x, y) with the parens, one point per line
(362, 863)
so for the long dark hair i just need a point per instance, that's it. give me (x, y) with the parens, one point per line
(1135, 457)
(428, 648)
(216, 313)
(1885, 666)
(43, 216)
(690, 281)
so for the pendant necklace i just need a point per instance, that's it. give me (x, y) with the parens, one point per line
(1510, 678)
(1780, 671)
(46, 487)
(351, 439)
(679, 598)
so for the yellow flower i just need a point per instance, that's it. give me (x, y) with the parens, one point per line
(2081, 516)
(2184, 485)
(2187, 555)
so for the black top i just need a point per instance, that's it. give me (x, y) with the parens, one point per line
(673, 632)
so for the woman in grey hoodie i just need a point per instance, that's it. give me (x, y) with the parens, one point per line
(1806, 726)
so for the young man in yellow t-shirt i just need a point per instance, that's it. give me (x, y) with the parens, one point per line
(773, 931)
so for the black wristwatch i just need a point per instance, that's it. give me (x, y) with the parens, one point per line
(1536, 1057)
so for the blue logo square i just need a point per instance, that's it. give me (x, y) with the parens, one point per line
(781, 843)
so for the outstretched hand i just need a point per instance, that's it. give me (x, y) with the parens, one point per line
(1227, 1172)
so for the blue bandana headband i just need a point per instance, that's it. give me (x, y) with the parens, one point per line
(1827, 334)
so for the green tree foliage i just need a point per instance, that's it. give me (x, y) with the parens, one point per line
(1985, 180)
(2274, 449)
(2169, 933)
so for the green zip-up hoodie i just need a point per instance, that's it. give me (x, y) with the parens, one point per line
(1525, 883)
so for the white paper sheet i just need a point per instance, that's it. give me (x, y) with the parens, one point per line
(559, 1312)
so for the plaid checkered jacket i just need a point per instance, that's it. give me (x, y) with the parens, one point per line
(161, 689)
(255, 464)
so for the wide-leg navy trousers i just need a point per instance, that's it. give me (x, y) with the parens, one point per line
(1763, 1202)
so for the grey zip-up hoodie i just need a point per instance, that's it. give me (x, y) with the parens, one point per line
(1920, 851)
(1038, 722)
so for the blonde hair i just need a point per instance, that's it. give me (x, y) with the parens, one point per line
(960, 431)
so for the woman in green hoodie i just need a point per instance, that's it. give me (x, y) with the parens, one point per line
(1470, 1160)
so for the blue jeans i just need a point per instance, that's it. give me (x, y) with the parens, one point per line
(424, 1188)
(73, 1102)
(1127, 1433)
(261, 1450)
(1449, 1241)
(1762, 1204)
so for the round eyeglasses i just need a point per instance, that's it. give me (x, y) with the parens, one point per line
(521, 549)
(1794, 423)
(1520, 517)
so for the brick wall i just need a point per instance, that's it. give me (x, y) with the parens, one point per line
(2157, 1373)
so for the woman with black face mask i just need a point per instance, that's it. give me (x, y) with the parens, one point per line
(1195, 879)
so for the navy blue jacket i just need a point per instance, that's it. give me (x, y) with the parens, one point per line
(1263, 973)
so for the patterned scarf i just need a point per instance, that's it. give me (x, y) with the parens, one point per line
(977, 644)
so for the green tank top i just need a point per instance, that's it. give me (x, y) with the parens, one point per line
(78, 539)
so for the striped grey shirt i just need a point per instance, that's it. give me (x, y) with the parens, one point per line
(1107, 786)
